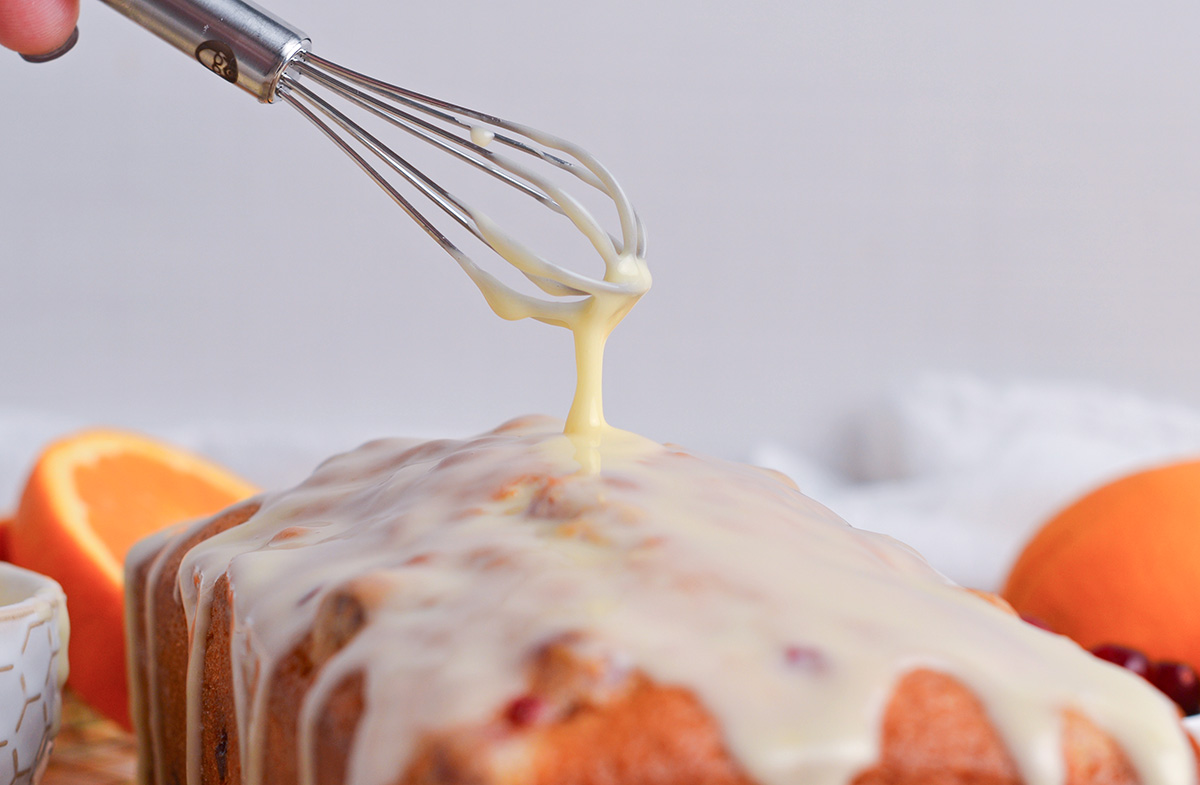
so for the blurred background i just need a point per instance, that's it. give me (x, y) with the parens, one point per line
(841, 198)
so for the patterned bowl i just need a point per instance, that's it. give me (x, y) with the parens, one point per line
(33, 667)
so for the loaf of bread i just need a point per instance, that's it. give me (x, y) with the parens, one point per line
(522, 608)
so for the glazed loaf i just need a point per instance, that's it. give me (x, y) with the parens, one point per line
(486, 612)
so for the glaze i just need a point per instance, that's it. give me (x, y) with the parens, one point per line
(700, 573)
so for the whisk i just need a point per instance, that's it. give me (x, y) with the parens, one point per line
(268, 58)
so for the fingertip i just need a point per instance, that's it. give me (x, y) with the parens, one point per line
(54, 54)
(36, 27)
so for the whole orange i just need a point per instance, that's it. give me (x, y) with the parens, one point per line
(1121, 565)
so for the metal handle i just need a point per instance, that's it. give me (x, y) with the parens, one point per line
(236, 40)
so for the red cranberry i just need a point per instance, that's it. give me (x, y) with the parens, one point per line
(1179, 682)
(1130, 659)
(804, 657)
(525, 710)
(1036, 622)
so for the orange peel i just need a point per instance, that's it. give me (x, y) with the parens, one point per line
(1121, 566)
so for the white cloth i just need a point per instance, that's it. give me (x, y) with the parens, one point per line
(961, 469)
(965, 471)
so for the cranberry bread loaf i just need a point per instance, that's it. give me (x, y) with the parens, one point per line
(487, 612)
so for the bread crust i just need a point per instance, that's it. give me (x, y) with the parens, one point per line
(162, 728)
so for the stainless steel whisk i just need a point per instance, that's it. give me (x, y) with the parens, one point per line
(250, 47)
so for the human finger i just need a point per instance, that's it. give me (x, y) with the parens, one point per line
(35, 27)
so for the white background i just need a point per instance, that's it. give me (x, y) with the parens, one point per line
(840, 195)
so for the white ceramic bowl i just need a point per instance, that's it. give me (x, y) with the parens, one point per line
(33, 667)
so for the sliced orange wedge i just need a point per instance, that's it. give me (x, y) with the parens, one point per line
(90, 497)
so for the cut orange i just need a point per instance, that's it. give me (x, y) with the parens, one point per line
(90, 497)
(1121, 566)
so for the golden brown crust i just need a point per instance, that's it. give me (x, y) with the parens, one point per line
(654, 735)
(168, 645)
(336, 728)
(1095, 758)
(136, 586)
(341, 615)
(220, 752)
(935, 731)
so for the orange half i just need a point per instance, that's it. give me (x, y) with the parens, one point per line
(90, 497)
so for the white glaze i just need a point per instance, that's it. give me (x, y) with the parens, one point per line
(697, 572)
(481, 136)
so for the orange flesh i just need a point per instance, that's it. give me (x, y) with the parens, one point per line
(90, 497)
(130, 496)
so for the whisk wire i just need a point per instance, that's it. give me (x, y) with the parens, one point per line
(253, 49)
(400, 107)
(429, 227)
(446, 112)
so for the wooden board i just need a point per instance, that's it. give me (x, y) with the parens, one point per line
(90, 750)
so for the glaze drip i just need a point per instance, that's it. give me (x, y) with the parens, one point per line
(589, 308)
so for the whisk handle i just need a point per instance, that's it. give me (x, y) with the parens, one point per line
(237, 40)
